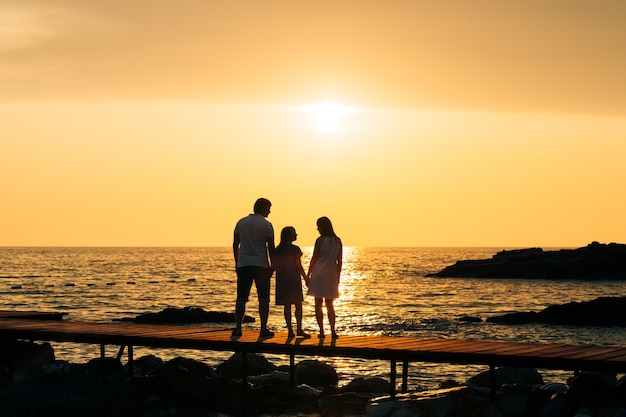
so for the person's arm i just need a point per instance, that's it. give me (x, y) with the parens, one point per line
(270, 249)
(236, 243)
(316, 250)
(339, 260)
(301, 270)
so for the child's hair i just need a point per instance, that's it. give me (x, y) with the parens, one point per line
(285, 235)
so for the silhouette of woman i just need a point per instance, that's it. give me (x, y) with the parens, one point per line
(324, 273)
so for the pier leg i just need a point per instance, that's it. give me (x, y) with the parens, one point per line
(120, 352)
(292, 370)
(405, 376)
(392, 380)
(102, 353)
(492, 382)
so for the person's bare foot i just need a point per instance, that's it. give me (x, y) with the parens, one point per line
(266, 334)
(302, 333)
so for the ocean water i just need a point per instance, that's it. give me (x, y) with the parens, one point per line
(383, 291)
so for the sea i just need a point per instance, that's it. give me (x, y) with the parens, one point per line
(383, 291)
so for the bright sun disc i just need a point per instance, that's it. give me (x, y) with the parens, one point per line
(328, 115)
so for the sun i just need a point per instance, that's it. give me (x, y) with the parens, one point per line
(328, 115)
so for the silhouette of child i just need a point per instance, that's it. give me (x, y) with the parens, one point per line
(287, 260)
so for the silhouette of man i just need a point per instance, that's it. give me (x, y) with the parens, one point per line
(253, 246)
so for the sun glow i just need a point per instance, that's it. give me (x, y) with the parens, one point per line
(328, 116)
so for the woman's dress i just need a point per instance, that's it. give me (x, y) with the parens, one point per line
(324, 275)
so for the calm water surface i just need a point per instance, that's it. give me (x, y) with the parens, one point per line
(384, 291)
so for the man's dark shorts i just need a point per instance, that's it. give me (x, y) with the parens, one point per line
(261, 277)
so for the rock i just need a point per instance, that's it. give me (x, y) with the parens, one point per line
(513, 404)
(436, 403)
(62, 389)
(352, 398)
(448, 383)
(20, 359)
(256, 365)
(555, 387)
(107, 365)
(618, 397)
(603, 311)
(594, 261)
(558, 405)
(344, 404)
(146, 364)
(507, 375)
(271, 394)
(191, 385)
(591, 390)
(316, 374)
(470, 319)
(186, 315)
(374, 385)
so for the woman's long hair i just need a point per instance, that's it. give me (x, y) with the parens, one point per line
(326, 227)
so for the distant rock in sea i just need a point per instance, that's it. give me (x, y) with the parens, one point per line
(594, 261)
(186, 315)
(603, 311)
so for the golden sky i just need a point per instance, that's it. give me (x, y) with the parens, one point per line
(449, 123)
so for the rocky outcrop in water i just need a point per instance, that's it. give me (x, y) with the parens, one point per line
(594, 261)
(603, 311)
(186, 315)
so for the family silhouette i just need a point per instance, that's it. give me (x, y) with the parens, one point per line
(257, 257)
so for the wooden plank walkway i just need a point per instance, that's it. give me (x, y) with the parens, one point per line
(394, 349)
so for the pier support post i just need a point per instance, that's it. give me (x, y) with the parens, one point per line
(405, 376)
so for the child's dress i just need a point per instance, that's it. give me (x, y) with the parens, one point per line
(288, 283)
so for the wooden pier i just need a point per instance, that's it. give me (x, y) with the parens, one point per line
(393, 349)
(38, 315)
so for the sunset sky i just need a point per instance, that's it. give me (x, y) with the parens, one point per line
(408, 123)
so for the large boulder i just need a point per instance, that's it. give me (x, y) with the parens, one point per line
(507, 376)
(21, 359)
(344, 404)
(373, 385)
(592, 390)
(256, 365)
(316, 374)
(63, 389)
(186, 315)
(436, 403)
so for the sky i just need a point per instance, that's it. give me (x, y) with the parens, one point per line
(408, 123)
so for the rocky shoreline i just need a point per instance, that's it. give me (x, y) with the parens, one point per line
(39, 385)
